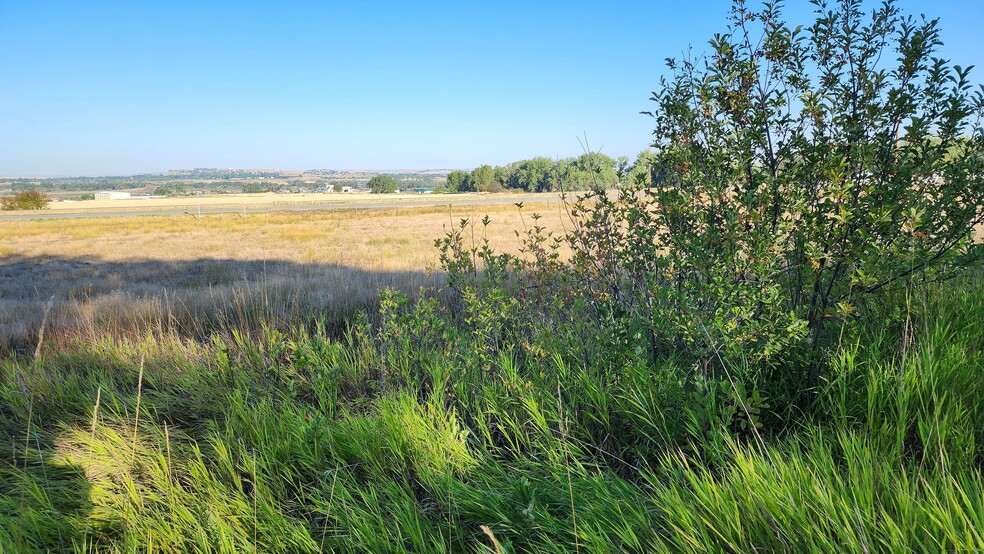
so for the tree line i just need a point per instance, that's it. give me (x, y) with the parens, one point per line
(542, 174)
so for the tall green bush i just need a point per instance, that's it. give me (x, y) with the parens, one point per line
(794, 170)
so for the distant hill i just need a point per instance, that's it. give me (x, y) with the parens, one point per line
(204, 179)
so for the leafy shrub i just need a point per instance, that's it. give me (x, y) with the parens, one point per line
(25, 200)
(793, 172)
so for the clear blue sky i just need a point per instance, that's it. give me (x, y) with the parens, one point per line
(109, 88)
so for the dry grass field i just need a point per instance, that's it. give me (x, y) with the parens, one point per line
(176, 275)
(265, 199)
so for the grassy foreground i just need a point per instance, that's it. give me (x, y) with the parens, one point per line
(416, 436)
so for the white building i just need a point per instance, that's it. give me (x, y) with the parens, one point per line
(111, 195)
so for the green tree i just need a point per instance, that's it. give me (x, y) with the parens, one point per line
(591, 170)
(25, 200)
(483, 177)
(460, 181)
(585, 172)
(381, 184)
(536, 174)
(502, 175)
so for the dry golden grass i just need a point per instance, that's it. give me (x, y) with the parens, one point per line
(174, 274)
(386, 239)
(264, 199)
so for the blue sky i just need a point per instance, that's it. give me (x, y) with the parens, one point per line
(110, 88)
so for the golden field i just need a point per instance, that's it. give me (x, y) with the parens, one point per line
(175, 274)
(267, 200)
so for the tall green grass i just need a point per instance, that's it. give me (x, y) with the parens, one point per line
(415, 436)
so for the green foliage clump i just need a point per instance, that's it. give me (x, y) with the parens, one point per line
(535, 175)
(383, 184)
(790, 181)
(483, 178)
(25, 200)
(251, 187)
(459, 181)
(170, 190)
(540, 174)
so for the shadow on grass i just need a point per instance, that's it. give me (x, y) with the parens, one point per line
(190, 298)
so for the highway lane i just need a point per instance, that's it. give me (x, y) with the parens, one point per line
(382, 204)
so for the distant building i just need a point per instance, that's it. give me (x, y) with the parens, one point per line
(112, 195)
